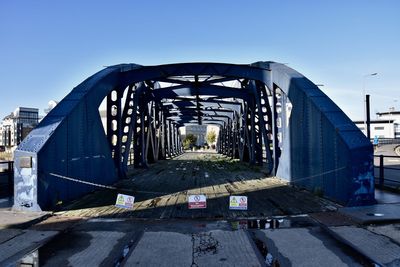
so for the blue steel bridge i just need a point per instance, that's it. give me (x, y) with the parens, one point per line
(268, 115)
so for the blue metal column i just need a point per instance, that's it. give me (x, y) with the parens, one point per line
(274, 132)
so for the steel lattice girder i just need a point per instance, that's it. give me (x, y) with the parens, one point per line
(220, 91)
(321, 148)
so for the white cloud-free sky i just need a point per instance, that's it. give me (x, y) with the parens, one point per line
(49, 47)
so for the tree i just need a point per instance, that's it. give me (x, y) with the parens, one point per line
(211, 137)
(189, 141)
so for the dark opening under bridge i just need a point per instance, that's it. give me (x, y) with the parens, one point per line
(268, 115)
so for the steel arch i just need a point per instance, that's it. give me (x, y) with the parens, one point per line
(312, 143)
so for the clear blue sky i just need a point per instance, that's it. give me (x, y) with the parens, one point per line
(49, 47)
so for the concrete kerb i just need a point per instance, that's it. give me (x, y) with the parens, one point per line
(377, 214)
(360, 218)
(377, 248)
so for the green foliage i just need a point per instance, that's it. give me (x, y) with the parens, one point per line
(211, 137)
(189, 141)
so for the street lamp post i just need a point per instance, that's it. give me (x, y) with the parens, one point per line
(366, 104)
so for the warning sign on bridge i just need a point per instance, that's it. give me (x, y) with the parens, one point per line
(197, 201)
(125, 201)
(238, 203)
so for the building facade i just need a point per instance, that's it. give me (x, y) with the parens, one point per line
(199, 131)
(16, 126)
(387, 125)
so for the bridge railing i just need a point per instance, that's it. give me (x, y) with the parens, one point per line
(6, 178)
(387, 141)
(387, 171)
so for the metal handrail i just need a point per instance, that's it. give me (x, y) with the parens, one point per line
(10, 163)
(387, 156)
(387, 141)
(381, 179)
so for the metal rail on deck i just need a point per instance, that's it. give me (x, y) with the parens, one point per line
(9, 173)
(381, 179)
(387, 141)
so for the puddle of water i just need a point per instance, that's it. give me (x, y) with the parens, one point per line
(268, 224)
(273, 223)
(376, 214)
(262, 247)
(124, 254)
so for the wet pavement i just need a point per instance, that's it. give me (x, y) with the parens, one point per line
(16, 245)
(282, 226)
(284, 240)
(386, 197)
(296, 240)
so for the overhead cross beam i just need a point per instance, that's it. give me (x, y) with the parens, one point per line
(279, 118)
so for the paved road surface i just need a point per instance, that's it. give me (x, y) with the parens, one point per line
(127, 242)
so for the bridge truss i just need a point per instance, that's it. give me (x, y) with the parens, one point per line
(267, 113)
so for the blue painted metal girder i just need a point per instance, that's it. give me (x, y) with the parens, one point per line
(209, 90)
(323, 149)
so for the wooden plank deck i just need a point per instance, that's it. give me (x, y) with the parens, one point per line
(161, 191)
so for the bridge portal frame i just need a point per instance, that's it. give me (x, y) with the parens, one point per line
(320, 148)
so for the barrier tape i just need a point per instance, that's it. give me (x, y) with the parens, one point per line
(319, 174)
(171, 193)
(83, 182)
(106, 186)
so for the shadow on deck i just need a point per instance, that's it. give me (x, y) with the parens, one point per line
(161, 191)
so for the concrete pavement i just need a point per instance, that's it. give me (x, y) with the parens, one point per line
(304, 247)
(289, 241)
(282, 227)
(17, 244)
(379, 213)
(17, 219)
(378, 248)
(212, 248)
